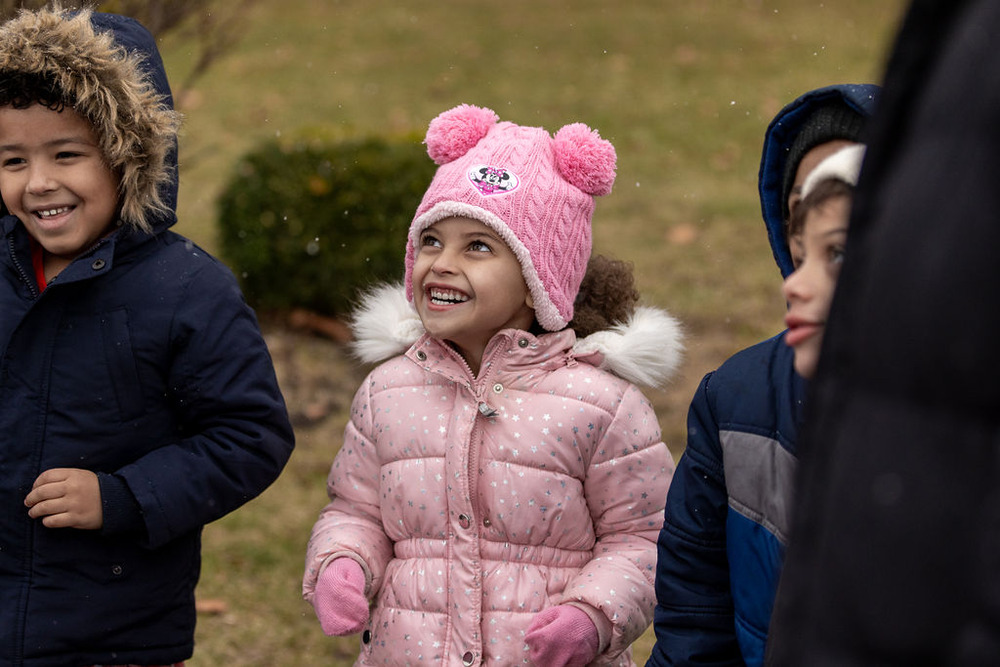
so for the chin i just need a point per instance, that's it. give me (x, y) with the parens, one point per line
(805, 367)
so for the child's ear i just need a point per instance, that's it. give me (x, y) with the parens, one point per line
(529, 301)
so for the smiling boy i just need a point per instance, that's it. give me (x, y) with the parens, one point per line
(55, 180)
(138, 401)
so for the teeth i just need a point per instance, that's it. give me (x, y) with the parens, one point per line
(52, 211)
(445, 296)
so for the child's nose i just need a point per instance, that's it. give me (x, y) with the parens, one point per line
(40, 180)
(795, 285)
(444, 262)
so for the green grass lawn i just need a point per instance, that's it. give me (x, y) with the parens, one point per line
(683, 88)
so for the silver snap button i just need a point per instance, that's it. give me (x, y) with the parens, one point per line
(523, 342)
(464, 521)
(497, 388)
(421, 355)
(117, 570)
(97, 265)
(469, 659)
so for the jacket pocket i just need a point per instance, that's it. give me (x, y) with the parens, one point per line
(116, 338)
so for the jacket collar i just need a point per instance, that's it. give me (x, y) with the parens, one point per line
(646, 350)
(93, 262)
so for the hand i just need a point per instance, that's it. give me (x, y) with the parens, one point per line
(66, 498)
(562, 636)
(339, 600)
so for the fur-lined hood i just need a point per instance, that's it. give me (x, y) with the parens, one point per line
(110, 67)
(646, 350)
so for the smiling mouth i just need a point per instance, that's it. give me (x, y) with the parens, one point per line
(52, 212)
(446, 297)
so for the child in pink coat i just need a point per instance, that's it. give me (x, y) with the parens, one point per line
(500, 487)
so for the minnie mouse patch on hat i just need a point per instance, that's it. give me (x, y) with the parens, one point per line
(493, 180)
(534, 190)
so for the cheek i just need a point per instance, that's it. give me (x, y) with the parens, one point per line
(7, 188)
(512, 280)
(826, 289)
(420, 265)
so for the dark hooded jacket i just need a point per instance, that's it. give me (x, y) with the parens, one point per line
(728, 509)
(894, 554)
(140, 362)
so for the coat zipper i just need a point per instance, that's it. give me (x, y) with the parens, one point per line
(477, 387)
(485, 411)
(20, 269)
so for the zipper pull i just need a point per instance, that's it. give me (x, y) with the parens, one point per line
(486, 411)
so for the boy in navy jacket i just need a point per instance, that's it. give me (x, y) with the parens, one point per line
(722, 545)
(138, 401)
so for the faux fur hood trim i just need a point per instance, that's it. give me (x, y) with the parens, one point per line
(385, 324)
(646, 350)
(135, 123)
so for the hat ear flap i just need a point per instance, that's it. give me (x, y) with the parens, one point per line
(584, 159)
(453, 133)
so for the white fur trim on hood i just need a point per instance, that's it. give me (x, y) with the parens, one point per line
(385, 324)
(646, 350)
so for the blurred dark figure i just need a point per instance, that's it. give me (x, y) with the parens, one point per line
(894, 556)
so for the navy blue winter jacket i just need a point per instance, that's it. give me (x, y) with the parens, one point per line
(140, 362)
(728, 508)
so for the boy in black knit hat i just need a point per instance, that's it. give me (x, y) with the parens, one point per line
(721, 548)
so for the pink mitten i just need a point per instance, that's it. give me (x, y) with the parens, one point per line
(562, 636)
(339, 600)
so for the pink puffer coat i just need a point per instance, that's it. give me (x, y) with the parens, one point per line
(474, 503)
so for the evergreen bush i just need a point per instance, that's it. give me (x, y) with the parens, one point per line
(306, 224)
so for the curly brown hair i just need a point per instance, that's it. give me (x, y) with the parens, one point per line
(607, 296)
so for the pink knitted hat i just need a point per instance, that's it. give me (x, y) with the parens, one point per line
(535, 191)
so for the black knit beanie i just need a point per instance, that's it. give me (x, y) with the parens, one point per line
(833, 120)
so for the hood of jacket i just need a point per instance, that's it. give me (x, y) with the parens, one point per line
(777, 142)
(646, 350)
(110, 66)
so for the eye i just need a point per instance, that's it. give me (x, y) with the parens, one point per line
(480, 246)
(836, 254)
(429, 241)
(9, 162)
(67, 155)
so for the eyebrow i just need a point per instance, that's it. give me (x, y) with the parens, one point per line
(484, 233)
(832, 232)
(54, 143)
(479, 235)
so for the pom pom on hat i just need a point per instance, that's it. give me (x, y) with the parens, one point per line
(453, 133)
(584, 159)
